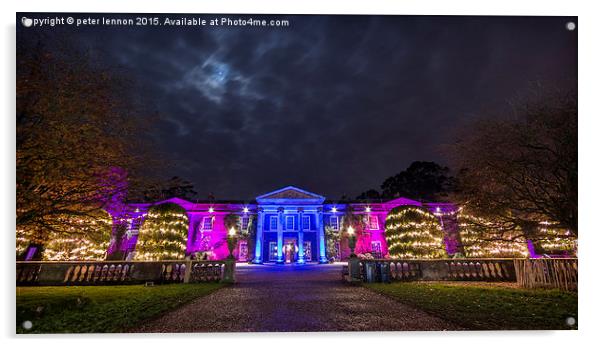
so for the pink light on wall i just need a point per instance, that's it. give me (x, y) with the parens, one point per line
(211, 238)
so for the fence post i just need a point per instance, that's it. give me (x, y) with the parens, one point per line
(370, 271)
(229, 271)
(188, 271)
(354, 269)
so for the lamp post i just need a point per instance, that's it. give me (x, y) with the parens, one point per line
(232, 239)
(352, 240)
(354, 262)
(230, 263)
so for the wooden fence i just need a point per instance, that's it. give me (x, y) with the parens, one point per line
(558, 273)
(122, 272)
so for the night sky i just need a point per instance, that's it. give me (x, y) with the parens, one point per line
(331, 104)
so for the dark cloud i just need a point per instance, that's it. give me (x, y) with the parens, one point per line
(334, 104)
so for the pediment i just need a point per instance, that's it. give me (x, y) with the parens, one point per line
(290, 193)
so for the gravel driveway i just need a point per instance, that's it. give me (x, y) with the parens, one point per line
(293, 298)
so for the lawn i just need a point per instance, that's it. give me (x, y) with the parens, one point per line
(485, 306)
(99, 309)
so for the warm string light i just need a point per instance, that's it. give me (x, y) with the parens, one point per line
(163, 235)
(476, 245)
(412, 232)
(90, 242)
(22, 241)
(555, 240)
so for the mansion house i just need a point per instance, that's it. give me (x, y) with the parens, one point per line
(292, 226)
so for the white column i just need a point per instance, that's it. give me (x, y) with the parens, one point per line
(301, 254)
(259, 237)
(321, 240)
(280, 259)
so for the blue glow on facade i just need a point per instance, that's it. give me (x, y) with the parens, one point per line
(292, 243)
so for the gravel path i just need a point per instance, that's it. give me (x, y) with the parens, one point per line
(293, 298)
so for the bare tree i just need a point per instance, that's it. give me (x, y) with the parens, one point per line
(519, 170)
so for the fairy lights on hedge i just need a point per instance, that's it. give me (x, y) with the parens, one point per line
(480, 239)
(413, 232)
(22, 241)
(163, 234)
(87, 238)
(555, 240)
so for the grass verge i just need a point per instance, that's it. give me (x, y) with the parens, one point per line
(100, 309)
(485, 306)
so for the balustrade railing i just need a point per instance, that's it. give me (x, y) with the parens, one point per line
(385, 270)
(120, 272)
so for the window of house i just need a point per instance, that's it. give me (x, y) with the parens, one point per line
(244, 222)
(376, 248)
(290, 222)
(334, 222)
(273, 222)
(243, 251)
(306, 222)
(373, 222)
(207, 223)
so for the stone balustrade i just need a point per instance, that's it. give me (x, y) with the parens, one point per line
(386, 270)
(122, 272)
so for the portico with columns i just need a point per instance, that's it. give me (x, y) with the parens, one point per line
(290, 227)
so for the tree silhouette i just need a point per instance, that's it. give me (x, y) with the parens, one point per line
(422, 180)
(77, 138)
(520, 170)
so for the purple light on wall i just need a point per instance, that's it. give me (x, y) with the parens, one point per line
(31, 252)
(531, 249)
(212, 237)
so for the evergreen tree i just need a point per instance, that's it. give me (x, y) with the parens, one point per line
(89, 241)
(163, 234)
(413, 232)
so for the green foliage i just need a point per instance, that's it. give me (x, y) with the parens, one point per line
(333, 238)
(251, 230)
(23, 240)
(119, 236)
(100, 309)
(79, 138)
(370, 194)
(356, 221)
(481, 239)
(487, 307)
(555, 240)
(163, 234)
(175, 187)
(413, 232)
(250, 234)
(232, 221)
(422, 180)
(89, 241)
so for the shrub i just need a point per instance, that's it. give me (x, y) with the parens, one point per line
(413, 232)
(163, 234)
